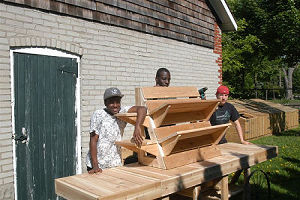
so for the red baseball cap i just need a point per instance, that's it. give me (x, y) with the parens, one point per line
(222, 90)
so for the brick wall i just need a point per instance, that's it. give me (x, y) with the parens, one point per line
(218, 50)
(111, 56)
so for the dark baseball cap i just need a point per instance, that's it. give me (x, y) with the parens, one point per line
(112, 92)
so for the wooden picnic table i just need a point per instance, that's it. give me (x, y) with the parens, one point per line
(136, 181)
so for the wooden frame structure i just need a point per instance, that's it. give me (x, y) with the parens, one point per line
(135, 181)
(178, 125)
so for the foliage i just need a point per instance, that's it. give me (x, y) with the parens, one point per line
(267, 39)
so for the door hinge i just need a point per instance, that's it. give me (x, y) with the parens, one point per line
(22, 138)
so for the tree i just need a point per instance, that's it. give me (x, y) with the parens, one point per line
(240, 59)
(276, 23)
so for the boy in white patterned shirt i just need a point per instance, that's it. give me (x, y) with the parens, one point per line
(106, 128)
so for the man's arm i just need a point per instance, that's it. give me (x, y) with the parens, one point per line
(141, 114)
(93, 151)
(240, 131)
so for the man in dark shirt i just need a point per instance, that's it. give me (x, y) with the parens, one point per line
(226, 112)
(162, 78)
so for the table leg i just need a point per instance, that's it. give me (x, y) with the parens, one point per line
(224, 188)
(196, 192)
(247, 172)
(164, 198)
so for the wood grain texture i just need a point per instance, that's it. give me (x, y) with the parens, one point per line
(145, 182)
(179, 20)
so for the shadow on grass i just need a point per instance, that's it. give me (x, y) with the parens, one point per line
(290, 185)
(292, 132)
(293, 160)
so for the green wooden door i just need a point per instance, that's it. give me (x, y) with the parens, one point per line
(45, 127)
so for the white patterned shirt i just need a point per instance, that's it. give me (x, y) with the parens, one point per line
(110, 129)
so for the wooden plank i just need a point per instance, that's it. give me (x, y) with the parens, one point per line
(224, 188)
(131, 118)
(169, 92)
(147, 146)
(215, 134)
(70, 191)
(219, 129)
(139, 99)
(187, 157)
(197, 109)
(175, 118)
(160, 115)
(193, 143)
(169, 145)
(163, 132)
(181, 105)
(140, 170)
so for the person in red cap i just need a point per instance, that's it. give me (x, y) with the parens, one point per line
(226, 112)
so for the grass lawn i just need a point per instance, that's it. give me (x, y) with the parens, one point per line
(284, 170)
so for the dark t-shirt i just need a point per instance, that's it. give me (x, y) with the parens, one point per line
(222, 116)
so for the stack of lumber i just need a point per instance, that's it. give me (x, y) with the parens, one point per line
(260, 118)
(178, 125)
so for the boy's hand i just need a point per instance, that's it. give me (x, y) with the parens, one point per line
(245, 142)
(95, 170)
(137, 136)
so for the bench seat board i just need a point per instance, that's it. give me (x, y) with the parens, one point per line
(136, 181)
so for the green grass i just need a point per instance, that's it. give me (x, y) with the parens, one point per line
(284, 170)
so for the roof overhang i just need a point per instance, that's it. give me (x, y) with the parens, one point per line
(227, 22)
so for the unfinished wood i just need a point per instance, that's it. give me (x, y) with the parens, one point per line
(139, 98)
(267, 118)
(169, 92)
(131, 118)
(164, 110)
(182, 110)
(146, 146)
(224, 188)
(169, 145)
(193, 143)
(193, 192)
(181, 105)
(69, 191)
(187, 157)
(171, 161)
(194, 138)
(219, 129)
(163, 132)
(160, 115)
(150, 161)
(191, 139)
(175, 118)
(196, 192)
(155, 182)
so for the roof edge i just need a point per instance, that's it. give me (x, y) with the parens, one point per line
(222, 11)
